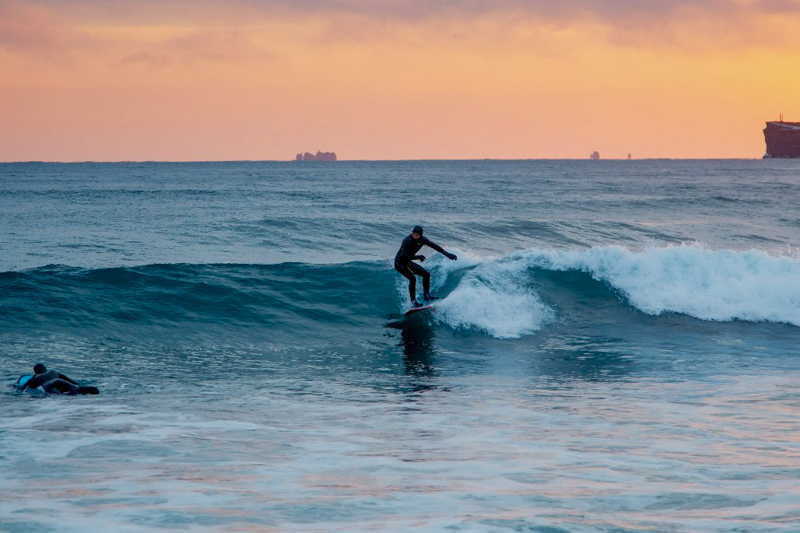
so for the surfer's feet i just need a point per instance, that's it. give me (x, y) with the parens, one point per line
(415, 304)
(428, 297)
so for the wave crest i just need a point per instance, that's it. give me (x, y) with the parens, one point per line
(495, 297)
(506, 297)
(717, 285)
(498, 295)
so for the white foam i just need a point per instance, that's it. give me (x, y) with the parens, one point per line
(494, 297)
(708, 284)
(496, 303)
(440, 268)
(491, 297)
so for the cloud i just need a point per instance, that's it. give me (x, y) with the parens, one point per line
(780, 6)
(688, 26)
(24, 27)
(614, 11)
(146, 58)
(216, 46)
(33, 28)
(225, 11)
(411, 10)
(232, 30)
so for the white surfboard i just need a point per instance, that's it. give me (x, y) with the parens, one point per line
(425, 307)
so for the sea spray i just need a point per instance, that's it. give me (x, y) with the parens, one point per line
(498, 295)
(495, 303)
(494, 296)
(443, 273)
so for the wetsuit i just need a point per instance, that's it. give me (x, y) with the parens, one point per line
(403, 263)
(52, 382)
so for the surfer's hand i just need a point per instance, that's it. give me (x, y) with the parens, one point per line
(452, 257)
(421, 258)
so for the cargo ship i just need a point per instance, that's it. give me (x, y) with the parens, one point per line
(782, 138)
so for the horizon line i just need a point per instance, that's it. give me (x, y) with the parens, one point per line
(122, 161)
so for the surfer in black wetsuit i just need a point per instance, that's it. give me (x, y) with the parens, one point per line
(408, 253)
(52, 382)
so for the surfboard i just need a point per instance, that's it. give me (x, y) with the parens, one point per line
(23, 380)
(425, 307)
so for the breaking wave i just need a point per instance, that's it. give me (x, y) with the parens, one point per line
(506, 297)
(499, 295)
(719, 285)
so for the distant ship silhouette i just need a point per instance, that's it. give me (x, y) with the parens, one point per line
(321, 156)
(782, 139)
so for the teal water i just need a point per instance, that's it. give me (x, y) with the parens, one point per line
(616, 349)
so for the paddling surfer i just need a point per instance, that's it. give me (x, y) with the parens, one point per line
(403, 263)
(52, 382)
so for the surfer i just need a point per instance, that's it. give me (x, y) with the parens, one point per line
(403, 263)
(52, 382)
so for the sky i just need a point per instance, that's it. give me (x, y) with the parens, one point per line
(198, 80)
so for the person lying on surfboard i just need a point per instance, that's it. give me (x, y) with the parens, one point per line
(403, 263)
(51, 382)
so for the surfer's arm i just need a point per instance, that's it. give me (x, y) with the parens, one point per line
(65, 378)
(431, 244)
(439, 249)
(32, 383)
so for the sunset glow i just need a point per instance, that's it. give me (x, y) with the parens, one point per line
(211, 80)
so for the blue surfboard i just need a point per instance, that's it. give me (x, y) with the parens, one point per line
(23, 380)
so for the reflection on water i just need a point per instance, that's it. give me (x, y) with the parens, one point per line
(591, 358)
(418, 339)
(487, 456)
(419, 347)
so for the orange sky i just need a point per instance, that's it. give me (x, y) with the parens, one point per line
(110, 80)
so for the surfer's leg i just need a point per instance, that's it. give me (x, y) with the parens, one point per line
(426, 276)
(412, 281)
(59, 386)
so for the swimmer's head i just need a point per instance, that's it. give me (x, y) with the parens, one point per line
(39, 368)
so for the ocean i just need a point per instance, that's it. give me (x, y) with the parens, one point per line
(616, 347)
